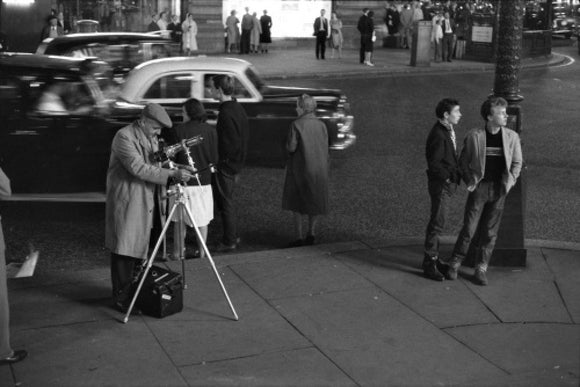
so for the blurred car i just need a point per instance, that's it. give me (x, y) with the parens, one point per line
(122, 50)
(563, 21)
(57, 123)
(60, 115)
(270, 109)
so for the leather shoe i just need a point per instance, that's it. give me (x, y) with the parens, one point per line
(430, 269)
(223, 248)
(479, 277)
(309, 240)
(15, 357)
(296, 243)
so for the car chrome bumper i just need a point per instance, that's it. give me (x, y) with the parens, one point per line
(345, 136)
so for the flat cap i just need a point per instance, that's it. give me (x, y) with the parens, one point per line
(157, 113)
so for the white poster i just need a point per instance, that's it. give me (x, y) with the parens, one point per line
(482, 34)
(290, 18)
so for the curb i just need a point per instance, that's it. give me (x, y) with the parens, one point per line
(555, 60)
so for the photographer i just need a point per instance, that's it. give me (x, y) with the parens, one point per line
(199, 197)
(135, 188)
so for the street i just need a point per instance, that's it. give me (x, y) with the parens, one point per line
(378, 187)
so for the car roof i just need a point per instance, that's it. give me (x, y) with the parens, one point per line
(45, 62)
(65, 41)
(149, 69)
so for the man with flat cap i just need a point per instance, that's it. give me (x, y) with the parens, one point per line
(135, 185)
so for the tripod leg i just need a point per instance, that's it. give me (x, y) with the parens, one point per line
(150, 261)
(208, 255)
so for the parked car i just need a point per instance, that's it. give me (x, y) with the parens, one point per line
(563, 21)
(122, 50)
(60, 114)
(270, 109)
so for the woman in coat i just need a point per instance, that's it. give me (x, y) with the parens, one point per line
(232, 30)
(336, 40)
(255, 34)
(189, 27)
(306, 185)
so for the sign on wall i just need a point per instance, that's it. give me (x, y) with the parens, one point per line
(481, 34)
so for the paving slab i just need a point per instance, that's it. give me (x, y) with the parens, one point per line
(516, 299)
(565, 265)
(60, 305)
(524, 348)
(444, 304)
(205, 331)
(378, 341)
(302, 367)
(298, 276)
(104, 353)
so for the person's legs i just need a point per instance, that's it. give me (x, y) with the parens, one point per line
(225, 196)
(473, 207)
(490, 222)
(362, 50)
(317, 46)
(298, 231)
(322, 45)
(122, 272)
(5, 348)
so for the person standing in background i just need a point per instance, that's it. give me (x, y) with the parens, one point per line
(247, 24)
(232, 30)
(448, 27)
(153, 26)
(63, 24)
(7, 355)
(392, 19)
(321, 31)
(51, 29)
(336, 39)
(175, 28)
(366, 28)
(306, 184)
(265, 36)
(406, 29)
(189, 27)
(256, 31)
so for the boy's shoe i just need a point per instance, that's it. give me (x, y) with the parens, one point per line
(430, 269)
(479, 277)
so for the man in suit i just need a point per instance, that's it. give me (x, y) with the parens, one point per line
(448, 27)
(366, 28)
(321, 31)
(247, 24)
(443, 177)
(51, 29)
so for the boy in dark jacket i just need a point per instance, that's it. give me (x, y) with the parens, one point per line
(443, 178)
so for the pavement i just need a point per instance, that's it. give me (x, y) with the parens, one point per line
(355, 313)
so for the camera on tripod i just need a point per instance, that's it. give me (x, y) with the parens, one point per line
(168, 152)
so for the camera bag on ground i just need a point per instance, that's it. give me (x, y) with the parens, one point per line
(162, 293)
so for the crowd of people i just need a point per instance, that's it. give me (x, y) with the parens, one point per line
(255, 35)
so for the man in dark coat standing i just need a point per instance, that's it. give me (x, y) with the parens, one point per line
(233, 131)
(443, 177)
(51, 29)
(321, 31)
(365, 27)
(247, 24)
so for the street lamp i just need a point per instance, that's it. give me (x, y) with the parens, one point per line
(510, 249)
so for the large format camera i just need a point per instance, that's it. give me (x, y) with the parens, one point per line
(167, 153)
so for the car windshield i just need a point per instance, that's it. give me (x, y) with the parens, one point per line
(254, 78)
